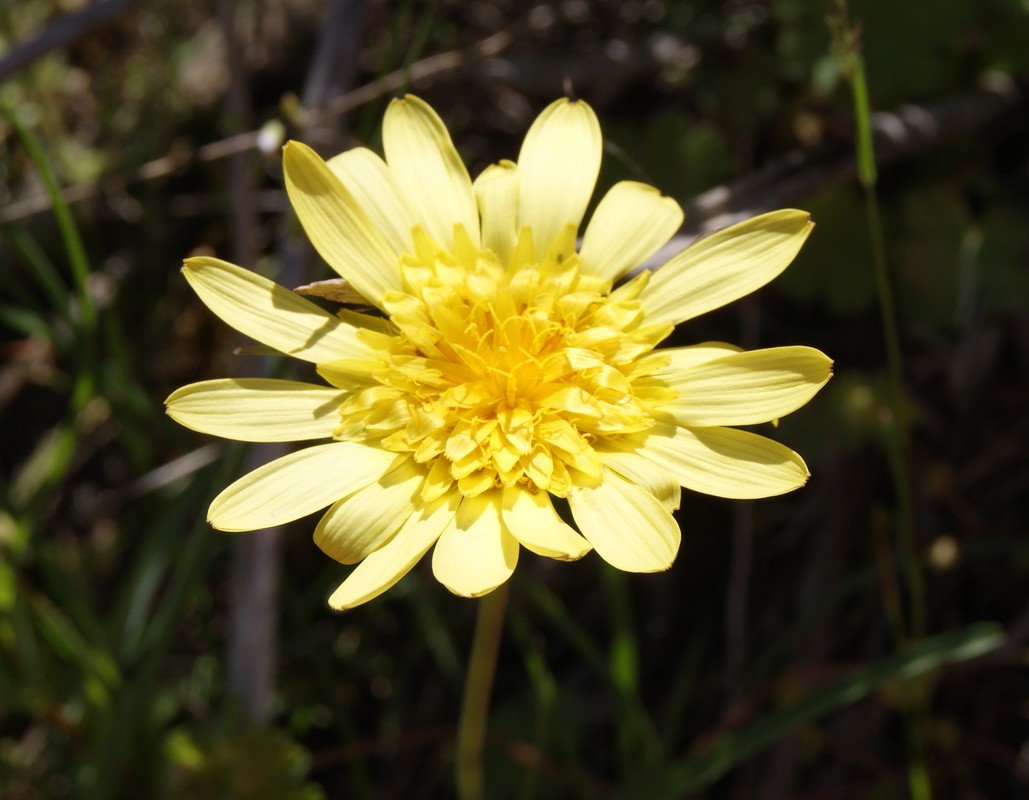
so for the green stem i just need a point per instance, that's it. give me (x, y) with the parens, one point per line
(899, 432)
(919, 784)
(73, 245)
(867, 172)
(471, 729)
(847, 49)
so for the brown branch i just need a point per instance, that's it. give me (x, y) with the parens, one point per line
(62, 32)
(905, 133)
(909, 132)
(256, 559)
(252, 646)
(182, 157)
(420, 70)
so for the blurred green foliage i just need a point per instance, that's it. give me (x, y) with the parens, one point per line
(255, 764)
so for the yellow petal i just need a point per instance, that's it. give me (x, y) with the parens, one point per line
(391, 562)
(725, 266)
(257, 409)
(632, 221)
(532, 520)
(676, 359)
(272, 315)
(350, 374)
(361, 523)
(421, 154)
(626, 524)
(296, 485)
(475, 553)
(747, 388)
(725, 462)
(496, 190)
(634, 467)
(558, 166)
(340, 230)
(374, 187)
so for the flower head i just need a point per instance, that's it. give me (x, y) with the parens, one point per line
(508, 368)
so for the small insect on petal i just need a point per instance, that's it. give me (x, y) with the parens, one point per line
(335, 289)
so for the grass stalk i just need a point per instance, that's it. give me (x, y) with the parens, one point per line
(70, 238)
(846, 42)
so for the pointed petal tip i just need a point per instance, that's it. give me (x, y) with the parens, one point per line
(336, 603)
(292, 150)
(793, 216)
(459, 588)
(212, 520)
(342, 599)
(408, 99)
(295, 151)
(479, 592)
(648, 569)
(578, 102)
(653, 568)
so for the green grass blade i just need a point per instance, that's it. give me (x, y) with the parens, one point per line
(74, 648)
(639, 741)
(557, 613)
(545, 689)
(693, 773)
(42, 268)
(44, 468)
(26, 322)
(73, 246)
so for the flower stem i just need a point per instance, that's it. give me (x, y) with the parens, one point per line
(471, 729)
(898, 431)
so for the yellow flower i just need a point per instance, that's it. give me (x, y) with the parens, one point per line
(507, 369)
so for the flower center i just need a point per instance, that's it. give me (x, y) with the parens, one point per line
(504, 374)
